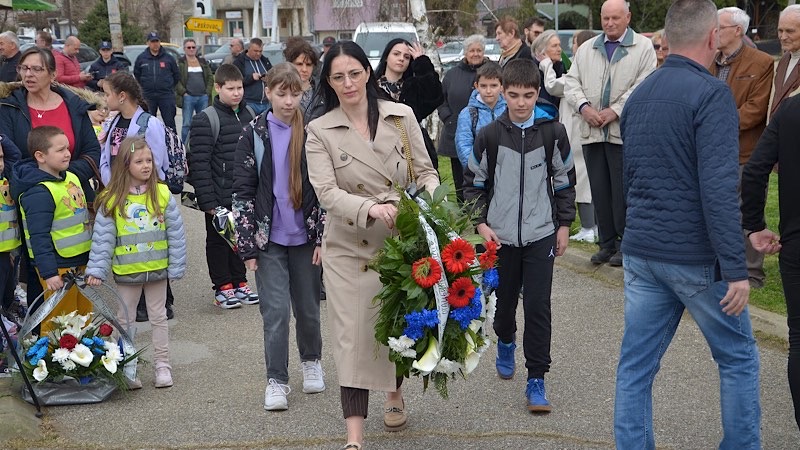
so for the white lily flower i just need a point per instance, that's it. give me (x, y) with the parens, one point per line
(430, 359)
(113, 353)
(81, 355)
(40, 372)
(109, 363)
(68, 365)
(75, 331)
(60, 355)
(472, 357)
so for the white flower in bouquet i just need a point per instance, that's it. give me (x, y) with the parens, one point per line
(81, 355)
(27, 343)
(114, 353)
(447, 366)
(109, 363)
(68, 365)
(75, 331)
(402, 345)
(60, 355)
(430, 359)
(40, 372)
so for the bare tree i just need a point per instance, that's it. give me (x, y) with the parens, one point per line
(163, 12)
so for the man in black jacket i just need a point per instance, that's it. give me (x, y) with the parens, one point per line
(254, 66)
(9, 49)
(104, 66)
(158, 74)
(213, 140)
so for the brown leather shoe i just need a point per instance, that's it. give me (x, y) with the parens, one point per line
(394, 415)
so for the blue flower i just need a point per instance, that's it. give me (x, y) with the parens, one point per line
(491, 279)
(419, 320)
(87, 342)
(99, 351)
(43, 341)
(42, 352)
(99, 342)
(35, 360)
(468, 313)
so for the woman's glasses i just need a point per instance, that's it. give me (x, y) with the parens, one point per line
(35, 69)
(354, 76)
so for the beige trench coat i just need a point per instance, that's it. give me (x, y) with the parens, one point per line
(349, 178)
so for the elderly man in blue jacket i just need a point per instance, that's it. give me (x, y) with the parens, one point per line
(683, 247)
(157, 72)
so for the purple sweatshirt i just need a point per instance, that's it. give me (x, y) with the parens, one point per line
(287, 226)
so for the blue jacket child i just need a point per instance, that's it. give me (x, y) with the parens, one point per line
(468, 128)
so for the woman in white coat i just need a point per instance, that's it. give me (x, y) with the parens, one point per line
(545, 51)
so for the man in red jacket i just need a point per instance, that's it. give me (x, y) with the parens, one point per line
(68, 69)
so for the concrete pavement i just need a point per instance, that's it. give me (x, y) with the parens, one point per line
(217, 400)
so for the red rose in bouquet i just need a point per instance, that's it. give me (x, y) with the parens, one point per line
(426, 272)
(68, 341)
(105, 330)
(457, 256)
(460, 292)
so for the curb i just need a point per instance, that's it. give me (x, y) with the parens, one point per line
(16, 415)
(577, 260)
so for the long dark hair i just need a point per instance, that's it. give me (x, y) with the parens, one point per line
(381, 70)
(125, 82)
(353, 50)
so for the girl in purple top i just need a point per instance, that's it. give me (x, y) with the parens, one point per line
(279, 228)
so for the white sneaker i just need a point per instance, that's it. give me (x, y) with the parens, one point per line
(584, 235)
(275, 396)
(313, 374)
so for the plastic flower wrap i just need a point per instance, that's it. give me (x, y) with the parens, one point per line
(79, 347)
(437, 302)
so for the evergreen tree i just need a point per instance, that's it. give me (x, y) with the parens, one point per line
(96, 28)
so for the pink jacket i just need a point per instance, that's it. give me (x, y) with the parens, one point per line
(68, 70)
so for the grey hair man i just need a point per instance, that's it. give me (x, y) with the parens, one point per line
(787, 72)
(9, 50)
(748, 72)
(604, 72)
(237, 47)
(683, 248)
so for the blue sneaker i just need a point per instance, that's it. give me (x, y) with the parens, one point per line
(537, 397)
(505, 360)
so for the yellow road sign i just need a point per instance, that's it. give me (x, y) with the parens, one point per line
(205, 25)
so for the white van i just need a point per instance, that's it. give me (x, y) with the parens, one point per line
(374, 36)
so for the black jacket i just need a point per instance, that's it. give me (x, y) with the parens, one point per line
(253, 89)
(457, 86)
(39, 212)
(101, 69)
(15, 121)
(8, 71)
(211, 164)
(158, 75)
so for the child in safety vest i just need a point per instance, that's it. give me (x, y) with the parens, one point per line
(9, 228)
(139, 238)
(58, 233)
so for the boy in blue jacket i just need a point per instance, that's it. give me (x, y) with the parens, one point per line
(485, 105)
(522, 179)
(54, 216)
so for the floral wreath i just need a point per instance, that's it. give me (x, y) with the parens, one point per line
(437, 300)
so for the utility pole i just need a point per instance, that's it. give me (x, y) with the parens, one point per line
(115, 25)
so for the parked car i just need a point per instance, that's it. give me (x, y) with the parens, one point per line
(86, 54)
(272, 51)
(205, 49)
(133, 51)
(451, 52)
(493, 50)
(215, 58)
(566, 40)
(373, 37)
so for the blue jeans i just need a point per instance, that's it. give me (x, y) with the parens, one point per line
(656, 294)
(259, 107)
(192, 104)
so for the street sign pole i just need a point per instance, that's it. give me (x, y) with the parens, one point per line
(115, 25)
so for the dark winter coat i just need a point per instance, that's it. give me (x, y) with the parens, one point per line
(8, 71)
(15, 121)
(457, 86)
(253, 199)
(158, 75)
(183, 68)
(211, 164)
(40, 209)
(101, 69)
(253, 89)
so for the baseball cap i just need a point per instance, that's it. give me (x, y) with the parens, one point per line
(153, 36)
(328, 41)
(105, 45)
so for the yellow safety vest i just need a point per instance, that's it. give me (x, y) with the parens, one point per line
(142, 237)
(71, 230)
(9, 229)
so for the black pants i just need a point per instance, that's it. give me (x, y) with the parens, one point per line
(355, 401)
(458, 178)
(165, 103)
(604, 167)
(8, 280)
(790, 274)
(532, 266)
(224, 265)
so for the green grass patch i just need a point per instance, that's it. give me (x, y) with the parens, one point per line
(769, 298)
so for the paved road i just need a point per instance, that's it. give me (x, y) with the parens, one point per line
(219, 388)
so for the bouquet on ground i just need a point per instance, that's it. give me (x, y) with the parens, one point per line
(437, 300)
(78, 347)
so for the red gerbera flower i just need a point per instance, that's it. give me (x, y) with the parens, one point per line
(488, 258)
(460, 293)
(426, 272)
(457, 256)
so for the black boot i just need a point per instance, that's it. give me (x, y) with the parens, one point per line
(141, 310)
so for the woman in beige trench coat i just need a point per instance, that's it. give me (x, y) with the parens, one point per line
(355, 160)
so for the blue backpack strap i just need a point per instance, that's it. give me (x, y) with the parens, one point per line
(143, 121)
(258, 148)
